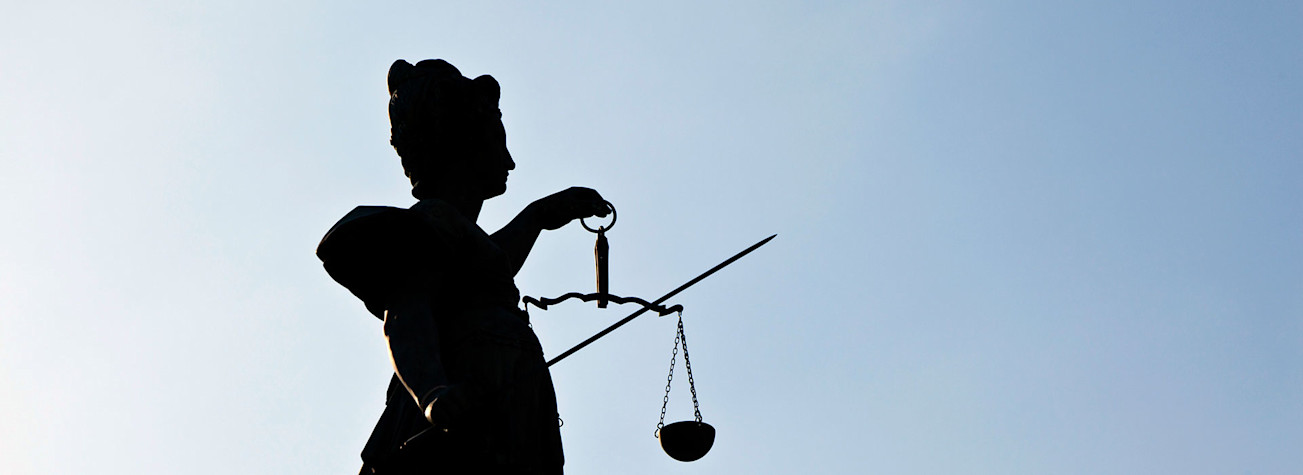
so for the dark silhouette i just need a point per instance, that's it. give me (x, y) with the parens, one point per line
(470, 392)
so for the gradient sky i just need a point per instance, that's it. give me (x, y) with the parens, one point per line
(1014, 237)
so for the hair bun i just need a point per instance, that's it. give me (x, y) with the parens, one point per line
(488, 88)
(435, 69)
(399, 72)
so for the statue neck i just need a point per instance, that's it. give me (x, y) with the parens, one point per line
(469, 207)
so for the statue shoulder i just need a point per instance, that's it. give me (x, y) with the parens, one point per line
(372, 247)
(369, 228)
(443, 218)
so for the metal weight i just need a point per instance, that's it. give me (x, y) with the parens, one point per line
(601, 252)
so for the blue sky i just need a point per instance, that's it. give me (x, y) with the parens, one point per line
(1014, 237)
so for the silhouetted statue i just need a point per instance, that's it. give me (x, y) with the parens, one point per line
(469, 376)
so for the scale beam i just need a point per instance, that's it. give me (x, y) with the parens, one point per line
(543, 303)
(659, 301)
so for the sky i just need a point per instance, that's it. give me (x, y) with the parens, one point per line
(1014, 237)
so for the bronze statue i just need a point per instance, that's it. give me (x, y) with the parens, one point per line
(470, 392)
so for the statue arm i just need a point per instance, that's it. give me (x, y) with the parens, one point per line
(413, 339)
(517, 238)
(548, 213)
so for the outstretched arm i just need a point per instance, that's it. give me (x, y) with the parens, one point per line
(551, 212)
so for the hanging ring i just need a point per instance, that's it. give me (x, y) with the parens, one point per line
(602, 228)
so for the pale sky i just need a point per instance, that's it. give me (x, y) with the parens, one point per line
(1014, 237)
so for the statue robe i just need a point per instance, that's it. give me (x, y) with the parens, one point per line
(484, 341)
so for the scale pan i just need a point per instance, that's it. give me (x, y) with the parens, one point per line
(687, 441)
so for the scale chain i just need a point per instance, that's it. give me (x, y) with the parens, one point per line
(687, 364)
(669, 380)
(665, 402)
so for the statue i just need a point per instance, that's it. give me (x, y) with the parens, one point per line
(470, 391)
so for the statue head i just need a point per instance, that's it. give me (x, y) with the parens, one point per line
(447, 129)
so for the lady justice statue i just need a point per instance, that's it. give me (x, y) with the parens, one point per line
(470, 392)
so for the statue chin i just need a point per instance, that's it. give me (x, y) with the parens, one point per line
(494, 191)
(466, 188)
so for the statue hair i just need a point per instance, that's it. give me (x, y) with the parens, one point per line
(436, 114)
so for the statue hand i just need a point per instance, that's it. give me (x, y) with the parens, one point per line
(557, 209)
(447, 405)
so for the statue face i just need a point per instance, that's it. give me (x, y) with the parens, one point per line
(494, 161)
(484, 163)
